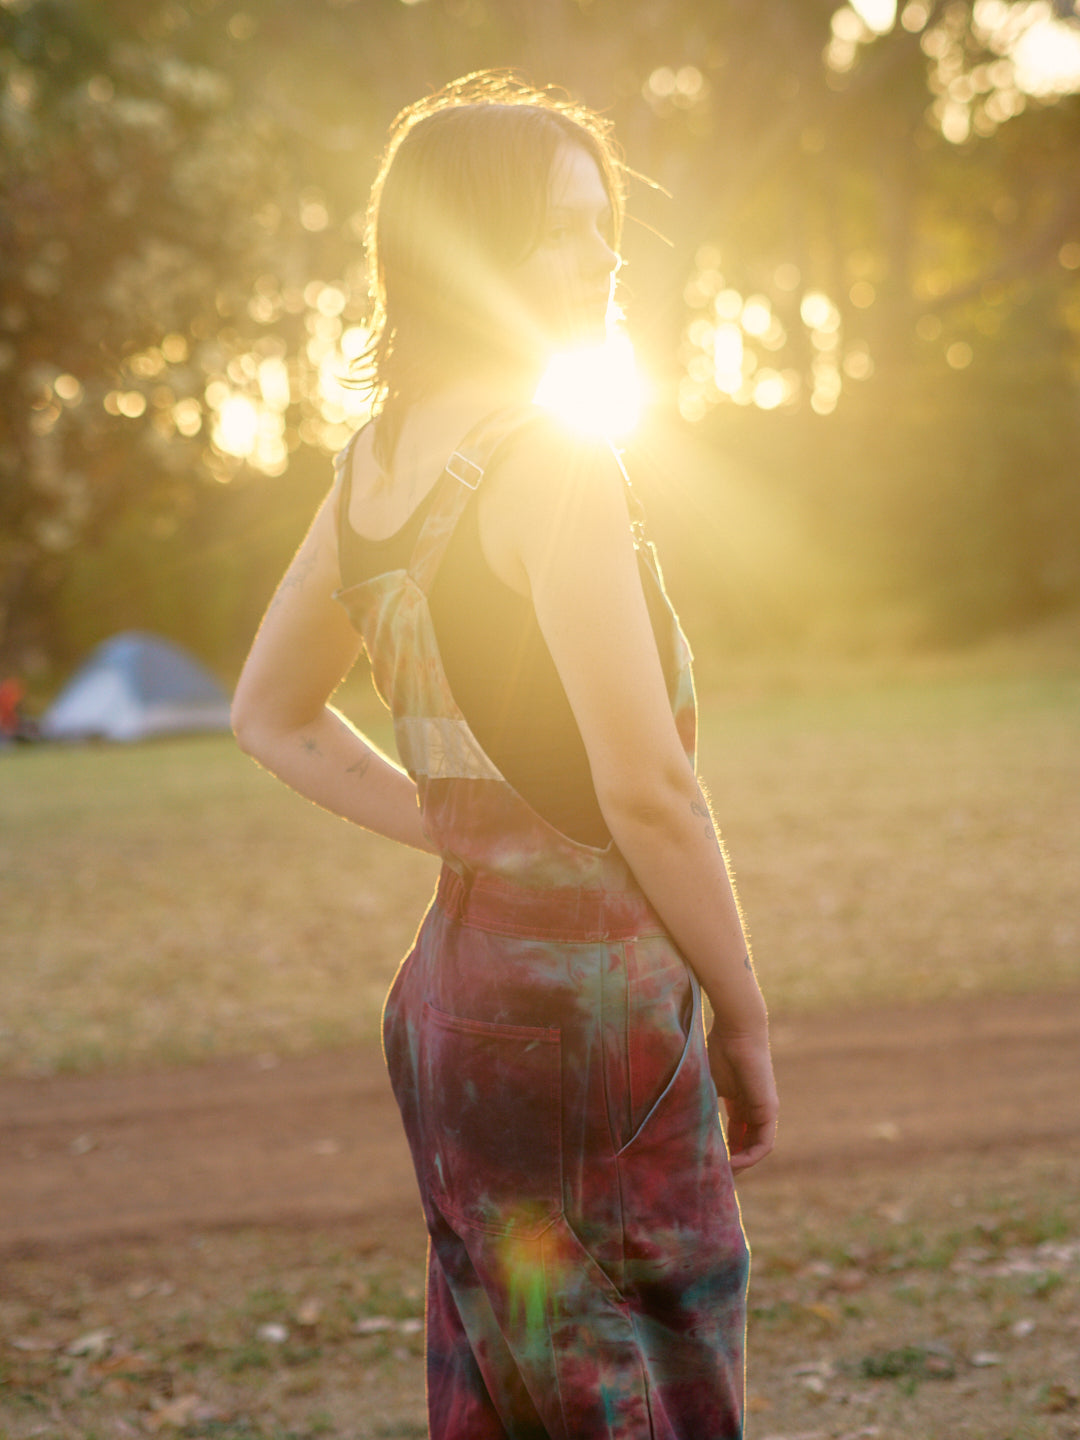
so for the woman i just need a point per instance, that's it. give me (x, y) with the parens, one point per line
(545, 1041)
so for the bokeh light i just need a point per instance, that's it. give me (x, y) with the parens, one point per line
(254, 399)
(877, 15)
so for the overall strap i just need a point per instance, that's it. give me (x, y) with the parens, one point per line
(343, 480)
(459, 482)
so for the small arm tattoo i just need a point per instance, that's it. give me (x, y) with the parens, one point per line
(359, 767)
(310, 744)
(297, 577)
(701, 810)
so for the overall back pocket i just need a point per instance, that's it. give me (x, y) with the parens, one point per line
(490, 1098)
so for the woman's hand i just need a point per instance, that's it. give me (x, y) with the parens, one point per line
(743, 1074)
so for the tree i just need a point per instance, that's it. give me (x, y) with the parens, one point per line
(869, 300)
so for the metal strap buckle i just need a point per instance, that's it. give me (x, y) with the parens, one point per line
(473, 473)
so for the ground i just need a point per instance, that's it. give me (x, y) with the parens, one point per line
(268, 1141)
(118, 1188)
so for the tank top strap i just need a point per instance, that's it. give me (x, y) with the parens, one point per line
(459, 482)
(343, 482)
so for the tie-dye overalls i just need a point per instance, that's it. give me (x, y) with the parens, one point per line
(587, 1267)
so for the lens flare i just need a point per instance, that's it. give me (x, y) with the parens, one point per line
(599, 390)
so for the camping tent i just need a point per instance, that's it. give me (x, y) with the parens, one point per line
(134, 686)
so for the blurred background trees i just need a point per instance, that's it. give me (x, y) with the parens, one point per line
(858, 300)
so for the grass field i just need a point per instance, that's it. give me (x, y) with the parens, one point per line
(936, 1305)
(893, 837)
(896, 835)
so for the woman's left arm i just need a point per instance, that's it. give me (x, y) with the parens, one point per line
(280, 711)
(567, 538)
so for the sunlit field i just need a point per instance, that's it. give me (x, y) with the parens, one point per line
(896, 836)
(893, 839)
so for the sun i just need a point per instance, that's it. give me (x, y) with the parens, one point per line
(599, 390)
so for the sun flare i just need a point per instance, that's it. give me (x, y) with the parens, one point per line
(598, 390)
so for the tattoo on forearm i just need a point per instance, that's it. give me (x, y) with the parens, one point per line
(700, 809)
(746, 962)
(310, 744)
(359, 767)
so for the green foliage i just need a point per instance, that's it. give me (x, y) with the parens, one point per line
(183, 189)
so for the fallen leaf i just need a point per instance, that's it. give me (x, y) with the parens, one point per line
(33, 1342)
(373, 1324)
(799, 1435)
(939, 1366)
(174, 1413)
(411, 1327)
(1023, 1328)
(95, 1343)
(127, 1361)
(118, 1387)
(983, 1358)
(823, 1368)
(273, 1333)
(1058, 1399)
(308, 1313)
(848, 1281)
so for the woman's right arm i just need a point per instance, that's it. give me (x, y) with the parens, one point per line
(280, 711)
(565, 519)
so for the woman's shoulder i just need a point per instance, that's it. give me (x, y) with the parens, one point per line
(544, 458)
(555, 493)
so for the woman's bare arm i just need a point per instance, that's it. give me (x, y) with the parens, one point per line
(280, 711)
(560, 515)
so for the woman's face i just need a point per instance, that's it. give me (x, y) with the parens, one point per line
(564, 286)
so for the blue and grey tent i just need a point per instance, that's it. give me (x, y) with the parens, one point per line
(134, 686)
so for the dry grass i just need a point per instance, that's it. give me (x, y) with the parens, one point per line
(908, 841)
(940, 1305)
(168, 902)
(937, 1303)
(894, 837)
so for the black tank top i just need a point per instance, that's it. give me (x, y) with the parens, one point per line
(498, 667)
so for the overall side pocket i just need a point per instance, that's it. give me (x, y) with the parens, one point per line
(663, 1007)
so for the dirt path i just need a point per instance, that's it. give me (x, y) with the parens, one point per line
(314, 1140)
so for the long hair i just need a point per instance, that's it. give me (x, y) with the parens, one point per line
(459, 200)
